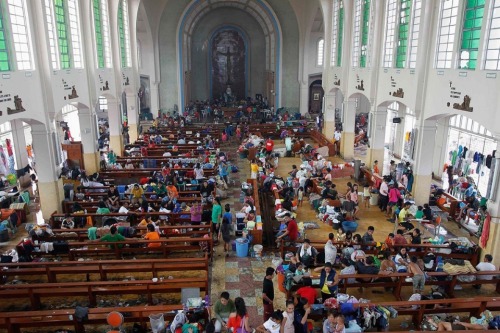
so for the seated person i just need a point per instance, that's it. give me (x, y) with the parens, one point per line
(136, 194)
(68, 222)
(152, 234)
(273, 324)
(329, 191)
(113, 199)
(306, 254)
(366, 265)
(292, 230)
(403, 217)
(112, 237)
(222, 309)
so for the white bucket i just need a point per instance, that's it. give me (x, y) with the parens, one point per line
(258, 250)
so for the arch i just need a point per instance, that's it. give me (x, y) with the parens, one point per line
(259, 9)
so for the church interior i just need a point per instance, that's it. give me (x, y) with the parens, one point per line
(249, 165)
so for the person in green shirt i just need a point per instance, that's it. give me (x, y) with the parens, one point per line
(112, 237)
(222, 309)
(216, 215)
(102, 208)
(160, 189)
(419, 214)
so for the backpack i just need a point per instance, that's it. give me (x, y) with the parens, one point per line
(179, 320)
(494, 323)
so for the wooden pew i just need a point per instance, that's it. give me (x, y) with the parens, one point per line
(81, 234)
(425, 248)
(16, 322)
(129, 247)
(52, 269)
(35, 292)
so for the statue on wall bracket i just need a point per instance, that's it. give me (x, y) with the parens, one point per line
(18, 104)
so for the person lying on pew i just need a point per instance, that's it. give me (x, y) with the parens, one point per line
(459, 325)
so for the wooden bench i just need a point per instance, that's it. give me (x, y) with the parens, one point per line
(131, 247)
(16, 322)
(103, 268)
(35, 292)
(452, 205)
(424, 249)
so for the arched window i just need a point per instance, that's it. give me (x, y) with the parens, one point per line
(123, 27)
(101, 30)
(321, 53)
(15, 37)
(63, 28)
(492, 57)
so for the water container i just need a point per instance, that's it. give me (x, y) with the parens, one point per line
(258, 250)
(242, 247)
(157, 322)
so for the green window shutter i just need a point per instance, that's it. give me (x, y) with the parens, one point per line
(98, 33)
(4, 52)
(62, 34)
(471, 34)
(340, 37)
(365, 30)
(403, 33)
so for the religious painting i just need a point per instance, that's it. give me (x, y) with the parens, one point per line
(144, 94)
(227, 60)
(316, 97)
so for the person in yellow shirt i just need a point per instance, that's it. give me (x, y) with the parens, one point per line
(152, 235)
(254, 168)
(136, 194)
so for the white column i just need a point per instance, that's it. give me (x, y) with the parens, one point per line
(426, 138)
(347, 141)
(377, 137)
(329, 115)
(19, 143)
(88, 133)
(115, 133)
(133, 117)
(493, 244)
(304, 98)
(49, 185)
(155, 98)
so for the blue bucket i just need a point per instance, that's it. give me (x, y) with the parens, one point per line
(350, 226)
(242, 247)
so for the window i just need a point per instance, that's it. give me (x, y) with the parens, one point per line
(341, 34)
(123, 28)
(389, 33)
(356, 33)
(446, 33)
(62, 34)
(361, 32)
(19, 32)
(74, 25)
(417, 9)
(471, 33)
(335, 26)
(403, 34)
(4, 52)
(321, 49)
(492, 57)
(364, 33)
(101, 29)
(51, 30)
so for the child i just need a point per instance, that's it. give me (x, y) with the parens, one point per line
(367, 195)
(340, 324)
(300, 269)
(341, 235)
(300, 195)
(419, 214)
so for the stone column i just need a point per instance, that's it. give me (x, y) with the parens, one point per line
(377, 137)
(50, 187)
(19, 143)
(426, 138)
(115, 132)
(155, 98)
(88, 133)
(347, 141)
(329, 115)
(304, 98)
(133, 117)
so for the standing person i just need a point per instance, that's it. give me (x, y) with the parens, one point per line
(383, 195)
(376, 170)
(269, 146)
(222, 310)
(300, 196)
(337, 135)
(330, 249)
(353, 197)
(239, 319)
(394, 196)
(367, 195)
(254, 169)
(288, 317)
(418, 276)
(227, 221)
(216, 215)
(449, 172)
(198, 172)
(268, 293)
(328, 281)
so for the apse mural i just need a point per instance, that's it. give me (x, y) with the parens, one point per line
(228, 66)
